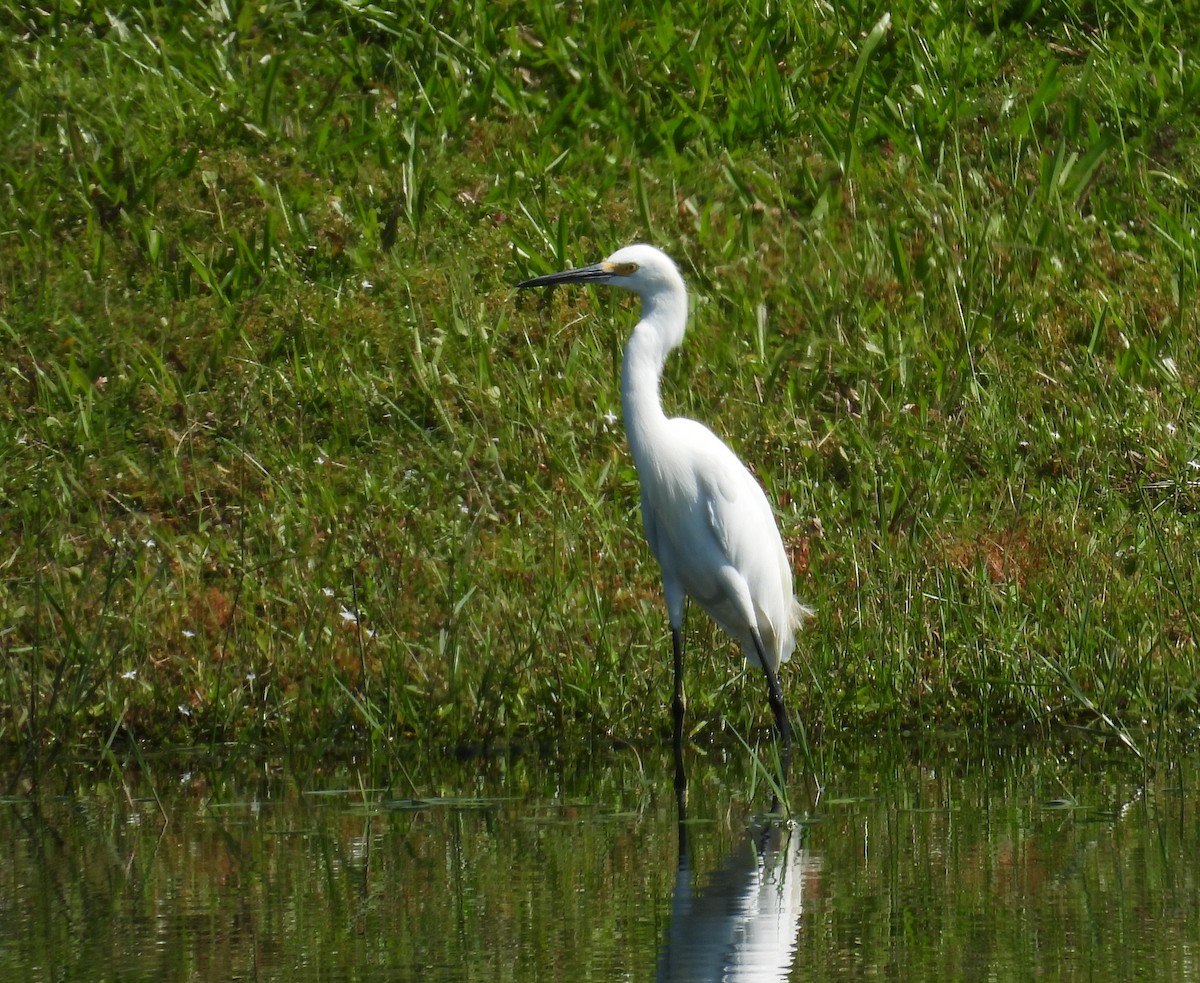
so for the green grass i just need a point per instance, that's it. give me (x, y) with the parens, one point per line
(285, 458)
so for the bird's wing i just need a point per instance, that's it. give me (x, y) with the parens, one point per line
(743, 529)
(739, 515)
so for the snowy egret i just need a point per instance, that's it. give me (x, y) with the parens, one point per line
(706, 518)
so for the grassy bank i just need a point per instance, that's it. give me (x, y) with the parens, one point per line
(284, 457)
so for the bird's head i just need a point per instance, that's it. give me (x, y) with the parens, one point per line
(643, 269)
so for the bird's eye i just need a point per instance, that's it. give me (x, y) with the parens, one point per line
(624, 269)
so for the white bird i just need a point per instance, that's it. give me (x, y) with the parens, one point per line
(706, 518)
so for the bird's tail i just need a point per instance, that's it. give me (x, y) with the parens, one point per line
(800, 613)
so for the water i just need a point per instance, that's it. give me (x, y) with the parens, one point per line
(940, 863)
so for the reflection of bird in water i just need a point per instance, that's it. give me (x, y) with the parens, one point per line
(741, 922)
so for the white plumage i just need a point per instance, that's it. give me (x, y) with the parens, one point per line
(706, 518)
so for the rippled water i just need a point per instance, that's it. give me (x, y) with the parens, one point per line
(941, 863)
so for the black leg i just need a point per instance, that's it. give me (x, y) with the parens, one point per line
(677, 708)
(775, 696)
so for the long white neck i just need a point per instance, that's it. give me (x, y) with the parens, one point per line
(664, 319)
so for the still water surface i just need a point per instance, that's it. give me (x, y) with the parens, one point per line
(943, 863)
